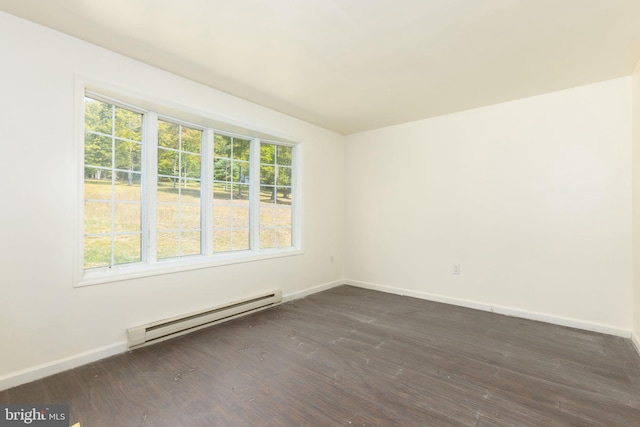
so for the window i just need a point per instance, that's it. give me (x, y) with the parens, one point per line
(275, 196)
(158, 192)
(112, 191)
(231, 184)
(178, 197)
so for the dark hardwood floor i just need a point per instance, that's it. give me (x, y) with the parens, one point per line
(354, 357)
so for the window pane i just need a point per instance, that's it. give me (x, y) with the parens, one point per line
(222, 170)
(240, 240)
(240, 193)
(221, 217)
(167, 217)
(267, 194)
(267, 175)
(127, 217)
(240, 217)
(97, 184)
(191, 139)
(168, 162)
(127, 248)
(98, 150)
(267, 216)
(168, 190)
(241, 149)
(267, 237)
(190, 191)
(283, 217)
(127, 187)
(221, 240)
(268, 154)
(128, 155)
(168, 135)
(284, 176)
(283, 237)
(190, 217)
(221, 192)
(190, 243)
(97, 116)
(97, 218)
(97, 252)
(167, 245)
(241, 172)
(222, 146)
(128, 124)
(283, 196)
(191, 166)
(284, 155)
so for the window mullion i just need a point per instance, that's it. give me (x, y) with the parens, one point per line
(206, 192)
(150, 187)
(296, 191)
(113, 183)
(254, 195)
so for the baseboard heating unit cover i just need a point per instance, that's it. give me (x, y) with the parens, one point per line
(180, 325)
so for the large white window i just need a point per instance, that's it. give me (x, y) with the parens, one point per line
(161, 194)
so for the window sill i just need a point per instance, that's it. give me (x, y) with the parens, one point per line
(135, 271)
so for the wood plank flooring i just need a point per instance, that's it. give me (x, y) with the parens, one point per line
(354, 357)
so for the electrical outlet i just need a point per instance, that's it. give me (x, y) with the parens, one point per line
(331, 259)
(456, 269)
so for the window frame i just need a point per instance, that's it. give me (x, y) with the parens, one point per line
(154, 110)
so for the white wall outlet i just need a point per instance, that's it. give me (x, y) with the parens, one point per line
(331, 259)
(456, 269)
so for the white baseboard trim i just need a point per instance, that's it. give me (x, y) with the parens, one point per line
(556, 320)
(51, 368)
(636, 341)
(313, 290)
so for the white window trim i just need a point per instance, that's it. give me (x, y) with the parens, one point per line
(207, 259)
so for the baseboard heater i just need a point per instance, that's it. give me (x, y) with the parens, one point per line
(180, 325)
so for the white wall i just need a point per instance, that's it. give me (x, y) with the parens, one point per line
(43, 319)
(532, 198)
(636, 204)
